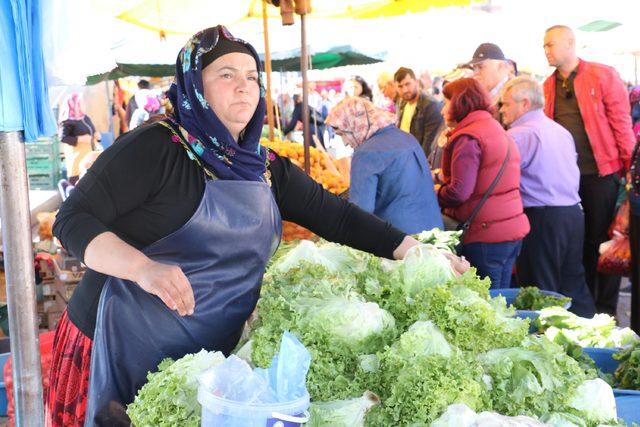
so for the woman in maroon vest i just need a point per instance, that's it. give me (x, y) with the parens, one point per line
(475, 152)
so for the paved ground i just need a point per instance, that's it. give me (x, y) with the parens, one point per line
(624, 303)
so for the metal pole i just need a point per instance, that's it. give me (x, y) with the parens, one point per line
(267, 67)
(304, 65)
(21, 294)
(110, 109)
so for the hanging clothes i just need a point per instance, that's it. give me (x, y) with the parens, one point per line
(24, 95)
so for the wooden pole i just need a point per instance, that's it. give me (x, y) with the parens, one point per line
(267, 67)
(304, 65)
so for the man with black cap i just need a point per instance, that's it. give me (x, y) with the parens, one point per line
(490, 68)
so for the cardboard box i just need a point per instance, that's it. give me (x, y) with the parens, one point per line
(63, 291)
(67, 269)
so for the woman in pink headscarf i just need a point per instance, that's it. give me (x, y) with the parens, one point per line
(390, 176)
(78, 134)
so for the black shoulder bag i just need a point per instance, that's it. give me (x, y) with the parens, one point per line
(452, 224)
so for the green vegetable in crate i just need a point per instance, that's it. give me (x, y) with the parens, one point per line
(627, 374)
(443, 240)
(531, 298)
(560, 325)
(169, 398)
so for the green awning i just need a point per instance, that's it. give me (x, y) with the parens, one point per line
(599, 26)
(124, 70)
(336, 57)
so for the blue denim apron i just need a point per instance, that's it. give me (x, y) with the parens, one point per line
(223, 250)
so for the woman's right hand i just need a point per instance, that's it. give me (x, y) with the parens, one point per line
(168, 283)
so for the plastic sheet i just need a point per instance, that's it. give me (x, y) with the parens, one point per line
(287, 373)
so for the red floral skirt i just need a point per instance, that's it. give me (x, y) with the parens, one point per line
(66, 403)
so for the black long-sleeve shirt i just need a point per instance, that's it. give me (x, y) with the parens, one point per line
(145, 187)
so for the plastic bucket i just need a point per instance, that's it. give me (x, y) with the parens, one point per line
(627, 407)
(510, 295)
(618, 392)
(217, 411)
(603, 358)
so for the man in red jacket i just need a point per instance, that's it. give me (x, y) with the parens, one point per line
(591, 102)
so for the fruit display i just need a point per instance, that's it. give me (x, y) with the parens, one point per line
(322, 170)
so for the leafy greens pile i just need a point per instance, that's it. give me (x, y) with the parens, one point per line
(532, 298)
(416, 335)
(627, 375)
(562, 326)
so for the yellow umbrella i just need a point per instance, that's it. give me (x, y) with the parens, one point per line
(187, 16)
(363, 9)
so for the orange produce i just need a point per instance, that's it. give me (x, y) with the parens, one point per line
(322, 170)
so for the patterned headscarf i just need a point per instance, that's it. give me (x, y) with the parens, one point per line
(208, 138)
(72, 108)
(358, 118)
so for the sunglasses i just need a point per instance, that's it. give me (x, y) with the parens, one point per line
(340, 131)
(567, 90)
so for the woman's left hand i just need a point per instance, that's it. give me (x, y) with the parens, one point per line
(459, 264)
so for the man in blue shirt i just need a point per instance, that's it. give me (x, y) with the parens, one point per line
(551, 256)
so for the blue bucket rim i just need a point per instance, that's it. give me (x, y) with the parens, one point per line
(624, 392)
(601, 350)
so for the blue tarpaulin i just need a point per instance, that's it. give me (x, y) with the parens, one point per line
(24, 97)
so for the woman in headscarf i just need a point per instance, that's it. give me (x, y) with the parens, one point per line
(78, 134)
(176, 222)
(390, 176)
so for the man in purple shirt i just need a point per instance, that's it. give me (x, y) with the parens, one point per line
(551, 256)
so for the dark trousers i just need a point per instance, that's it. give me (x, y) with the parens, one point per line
(599, 196)
(551, 256)
(634, 240)
(493, 260)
